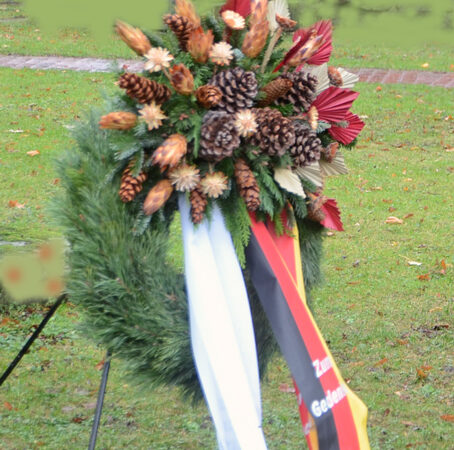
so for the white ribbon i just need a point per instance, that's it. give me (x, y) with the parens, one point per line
(222, 333)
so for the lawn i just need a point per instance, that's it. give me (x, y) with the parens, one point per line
(388, 320)
(23, 37)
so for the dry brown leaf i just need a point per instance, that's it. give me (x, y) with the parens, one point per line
(394, 220)
(407, 216)
(447, 417)
(353, 283)
(284, 387)
(100, 365)
(381, 362)
(33, 152)
(8, 406)
(424, 277)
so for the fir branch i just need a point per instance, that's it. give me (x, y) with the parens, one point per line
(217, 27)
(136, 167)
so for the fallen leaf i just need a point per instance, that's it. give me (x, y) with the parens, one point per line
(353, 283)
(391, 209)
(447, 417)
(407, 216)
(422, 374)
(386, 412)
(381, 362)
(437, 308)
(424, 277)
(443, 264)
(402, 341)
(100, 365)
(8, 406)
(286, 388)
(394, 220)
(16, 204)
(79, 419)
(378, 88)
(33, 153)
(425, 65)
(16, 131)
(414, 263)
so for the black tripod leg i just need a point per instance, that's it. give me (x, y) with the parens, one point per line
(32, 338)
(99, 403)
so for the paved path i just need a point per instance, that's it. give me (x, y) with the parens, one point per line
(443, 79)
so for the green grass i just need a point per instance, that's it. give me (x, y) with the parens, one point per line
(26, 38)
(382, 322)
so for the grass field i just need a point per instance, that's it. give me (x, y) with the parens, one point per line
(388, 322)
(24, 37)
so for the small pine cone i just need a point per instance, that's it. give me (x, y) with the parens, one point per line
(208, 96)
(302, 93)
(219, 136)
(130, 186)
(157, 196)
(182, 27)
(198, 204)
(307, 147)
(335, 77)
(275, 89)
(314, 207)
(238, 87)
(275, 133)
(247, 184)
(144, 90)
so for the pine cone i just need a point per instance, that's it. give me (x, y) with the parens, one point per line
(247, 184)
(335, 78)
(302, 93)
(238, 87)
(307, 147)
(182, 27)
(314, 207)
(130, 186)
(275, 89)
(208, 96)
(219, 136)
(144, 90)
(198, 204)
(275, 133)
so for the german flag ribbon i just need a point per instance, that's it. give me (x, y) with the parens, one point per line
(333, 416)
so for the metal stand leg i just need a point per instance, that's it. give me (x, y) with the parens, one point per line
(32, 338)
(99, 403)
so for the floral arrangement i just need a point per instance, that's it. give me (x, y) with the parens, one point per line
(225, 114)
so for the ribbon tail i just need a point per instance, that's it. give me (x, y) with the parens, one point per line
(221, 332)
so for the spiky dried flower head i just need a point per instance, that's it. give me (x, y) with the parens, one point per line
(182, 79)
(157, 196)
(221, 53)
(199, 44)
(133, 37)
(170, 152)
(245, 123)
(185, 178)
(185, 8)
(285, 22)
(214, 184)
(157, 59)
(118, 120)
(233, 20)
(153, 115)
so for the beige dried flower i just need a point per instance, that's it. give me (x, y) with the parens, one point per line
(157, 59)
(245, 123)
(133, 37)
(185, 178)
(221, 53)
(233, 20)
(153, 115)
(214, 184)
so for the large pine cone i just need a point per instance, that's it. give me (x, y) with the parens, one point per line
(198, 204)
(302, 93)
(307, 147)
(247, 185)
(219, 136)
(144, 90)
(239, 89)
(275, 133)
(131, 186)
(182, 27)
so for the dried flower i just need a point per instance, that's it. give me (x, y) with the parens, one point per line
(221, 53)
(186, 9)
(233, 20)
(182, 79)
(199, 44)
(214, 184)
(245, 123)
(158, 59)
(153, 115)
(118, 120)
(185, 178)
(312, 117)
(285, 22)
(170, 152)
(157, 196)
(133, 37)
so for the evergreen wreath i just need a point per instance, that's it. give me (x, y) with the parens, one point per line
(212, 116)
